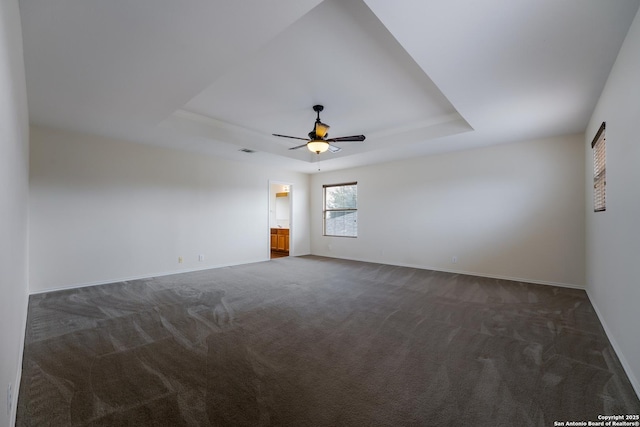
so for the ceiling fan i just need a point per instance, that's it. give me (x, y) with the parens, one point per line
(318, 141)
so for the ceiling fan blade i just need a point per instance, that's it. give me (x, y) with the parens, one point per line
(334, 149)
(299, 146)
(354, 138)
(292, 137)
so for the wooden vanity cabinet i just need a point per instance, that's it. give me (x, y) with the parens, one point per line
(280, 239)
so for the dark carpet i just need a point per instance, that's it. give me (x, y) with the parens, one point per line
(311, 341)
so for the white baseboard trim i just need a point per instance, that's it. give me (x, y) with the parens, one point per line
(623, 361)
(469, 273)
(139, 277)
(209, 267)
(13, 411)
(513, 279)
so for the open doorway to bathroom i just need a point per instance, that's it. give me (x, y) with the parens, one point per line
(279, 219)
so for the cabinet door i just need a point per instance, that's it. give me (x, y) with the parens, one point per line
(274, 242)
(281, 242)
(286, 243)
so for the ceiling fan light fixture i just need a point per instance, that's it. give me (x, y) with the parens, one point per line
(317, 146)
(321, 129)
(319, 141)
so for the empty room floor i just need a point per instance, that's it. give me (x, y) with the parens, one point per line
(313, 341)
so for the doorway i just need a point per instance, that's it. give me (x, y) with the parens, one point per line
(280, 198)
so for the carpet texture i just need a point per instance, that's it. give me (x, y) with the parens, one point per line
(312, 341)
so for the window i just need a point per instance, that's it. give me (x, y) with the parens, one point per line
(599, 170)
(341, 210)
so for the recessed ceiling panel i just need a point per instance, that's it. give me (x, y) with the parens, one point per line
(339, 55)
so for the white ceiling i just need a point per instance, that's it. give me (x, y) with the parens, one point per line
(416, 77)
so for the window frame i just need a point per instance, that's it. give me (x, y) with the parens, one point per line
(599, 148)
(325, 210)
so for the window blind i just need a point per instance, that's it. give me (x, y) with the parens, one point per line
(599, 170)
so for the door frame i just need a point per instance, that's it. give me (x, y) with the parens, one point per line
(271, 208)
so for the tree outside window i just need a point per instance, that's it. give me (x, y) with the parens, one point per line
(341, 210)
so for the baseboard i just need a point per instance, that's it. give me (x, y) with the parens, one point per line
(140, 277)
(623, 361)
(468, 273)
(209, 267)
(513, 279)
(13, 411)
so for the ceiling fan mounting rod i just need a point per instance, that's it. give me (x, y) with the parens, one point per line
(317, 109)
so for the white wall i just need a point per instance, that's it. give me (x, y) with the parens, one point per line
(14, 174)
(512, 211)
(613, 236)
(104, 210)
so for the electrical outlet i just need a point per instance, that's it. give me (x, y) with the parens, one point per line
(9, 398)
(454, 259)
(201, 257)
(179, 260)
